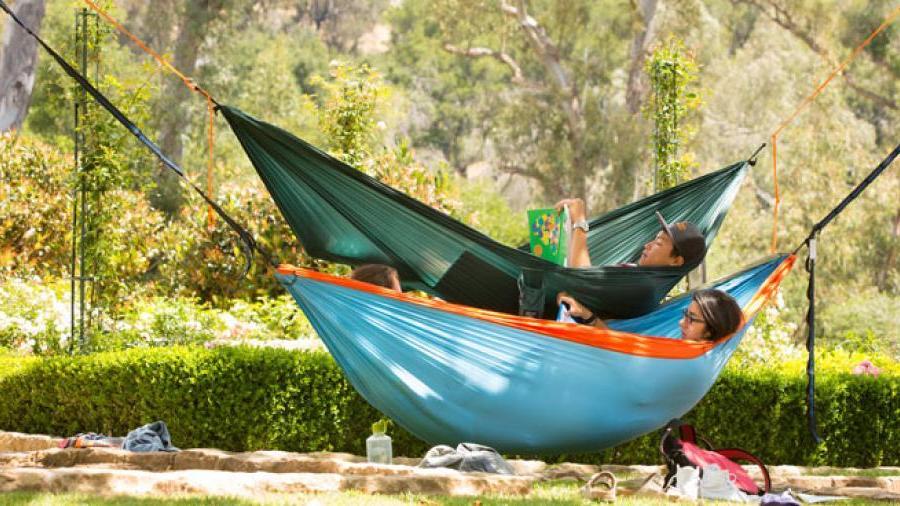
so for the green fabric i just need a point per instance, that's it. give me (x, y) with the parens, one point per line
(343, 215)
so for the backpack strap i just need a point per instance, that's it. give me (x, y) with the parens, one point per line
(688, 434)
(738, 454)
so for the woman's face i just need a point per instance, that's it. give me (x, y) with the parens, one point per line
(693, 328)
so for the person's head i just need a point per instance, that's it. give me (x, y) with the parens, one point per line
(712, 315)
(377, 274)
(675, 245)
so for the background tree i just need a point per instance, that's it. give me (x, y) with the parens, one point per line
(551, 116)
(18, 63)
(671, 71)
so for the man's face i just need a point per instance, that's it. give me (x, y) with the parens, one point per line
(658, 252)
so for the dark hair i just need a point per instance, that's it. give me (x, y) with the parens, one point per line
(377, 274)
(720, 311)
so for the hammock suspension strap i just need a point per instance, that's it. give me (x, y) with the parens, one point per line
(810, 243)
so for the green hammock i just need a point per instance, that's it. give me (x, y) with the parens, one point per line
(343, 215)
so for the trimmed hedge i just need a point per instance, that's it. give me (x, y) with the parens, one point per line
(247, 399)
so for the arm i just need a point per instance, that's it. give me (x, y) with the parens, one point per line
(576, 309)
(578, 250)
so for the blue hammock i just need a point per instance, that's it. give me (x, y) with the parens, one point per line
(449, 373)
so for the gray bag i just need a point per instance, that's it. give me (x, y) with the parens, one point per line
(152, 437)
(467, 457)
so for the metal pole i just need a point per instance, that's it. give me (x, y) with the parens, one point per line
(81, 280)
(75, 195)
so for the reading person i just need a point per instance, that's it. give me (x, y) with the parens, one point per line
(675, 245)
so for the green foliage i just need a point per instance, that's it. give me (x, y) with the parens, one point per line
(35, 231)
(113, 158)
(35, 319)
(672, 71)
(861, 320)
(275, 399)
(352, 100)
(487, 211)
(547, 114)
(347, 117)
(34, 206)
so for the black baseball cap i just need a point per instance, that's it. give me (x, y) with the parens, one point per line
(687, 240)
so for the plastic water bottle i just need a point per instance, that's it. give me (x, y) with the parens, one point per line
(378, 445)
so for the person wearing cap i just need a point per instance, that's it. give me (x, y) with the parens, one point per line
(679, 244)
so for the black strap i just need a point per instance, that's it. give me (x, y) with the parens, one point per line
(248, 244)
(810, 243)
(852, 195)
(811, 341)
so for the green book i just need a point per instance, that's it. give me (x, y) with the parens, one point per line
(548, 234)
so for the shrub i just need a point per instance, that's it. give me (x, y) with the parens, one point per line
(35, 319)
(248, 399)
(34, 316)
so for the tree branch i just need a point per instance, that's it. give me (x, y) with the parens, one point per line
(480, 52)
(780, 16)
(765, 199)
(549, 56)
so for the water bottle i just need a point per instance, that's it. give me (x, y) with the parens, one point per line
(378, 445)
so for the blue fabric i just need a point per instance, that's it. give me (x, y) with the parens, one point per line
(448, 378)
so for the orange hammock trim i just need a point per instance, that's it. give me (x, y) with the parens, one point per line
(613, 340)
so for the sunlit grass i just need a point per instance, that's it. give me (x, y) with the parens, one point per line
(554, 493)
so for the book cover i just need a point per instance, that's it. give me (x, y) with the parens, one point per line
(548, 234)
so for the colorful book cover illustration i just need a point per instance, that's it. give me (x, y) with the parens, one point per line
(548, 233)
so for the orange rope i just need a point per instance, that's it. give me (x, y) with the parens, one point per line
(210, 102)
(210, 131)
(887, 21)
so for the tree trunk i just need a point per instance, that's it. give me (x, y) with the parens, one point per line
(174, 120)
(18, 63)
(645, 11)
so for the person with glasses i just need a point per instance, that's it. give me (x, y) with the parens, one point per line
(711, 315)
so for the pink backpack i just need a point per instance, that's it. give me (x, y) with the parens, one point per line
(683, 450)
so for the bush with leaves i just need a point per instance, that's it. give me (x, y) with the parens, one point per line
(35, 206)
(34, 316)
(35, 320)
(36, 229)
(302, 401)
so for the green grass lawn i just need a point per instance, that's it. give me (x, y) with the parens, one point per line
(558, 493)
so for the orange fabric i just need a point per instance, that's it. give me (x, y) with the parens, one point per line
(806, 101)
(622, 342)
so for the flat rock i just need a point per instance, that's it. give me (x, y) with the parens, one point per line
(95, 481)
(34, 462)
(18, 442)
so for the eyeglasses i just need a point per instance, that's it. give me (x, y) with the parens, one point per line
(691, 318)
